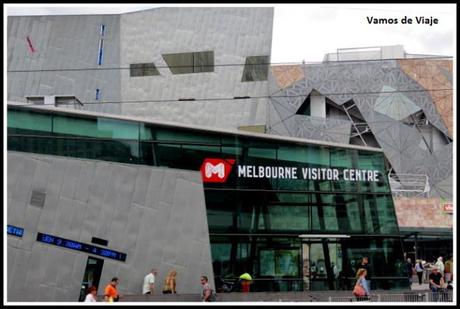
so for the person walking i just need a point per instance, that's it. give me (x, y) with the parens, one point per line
(448, 267)
(148, 287)
(419, 270)
(361, 290)
(111, 292)
(365, 265)
(207, 294)
(170, 283)
(91, 296)
(409, 270)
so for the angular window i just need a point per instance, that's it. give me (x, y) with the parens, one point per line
(143, 69)
(184, 63)
(255, 69)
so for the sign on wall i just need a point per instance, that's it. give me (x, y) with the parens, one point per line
(15, 231)
(78, 246)
(448, 207)
(217, 171)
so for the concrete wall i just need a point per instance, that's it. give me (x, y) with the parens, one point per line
(63, 42)
(157, 216)
(232, 33)
(142, 37)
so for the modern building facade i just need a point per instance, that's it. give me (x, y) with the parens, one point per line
(276, 207)
(159, 95)
(164, 61)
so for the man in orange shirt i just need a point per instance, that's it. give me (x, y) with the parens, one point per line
(110, 291)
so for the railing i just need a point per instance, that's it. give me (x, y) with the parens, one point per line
(409, 185)
(443, 296)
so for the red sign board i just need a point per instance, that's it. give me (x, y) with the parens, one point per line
(216, 170)
(449, 207)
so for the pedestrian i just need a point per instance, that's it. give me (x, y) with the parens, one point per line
(419, 269)
(170, 283)
(361, 289)
(448, 267)
(436, 282)
(111, 292)
(409, 270)
(91, 296)
(148, 287)
(207, 295)
(365, 264)
(245, 285)
(245, 282)
(440, 265)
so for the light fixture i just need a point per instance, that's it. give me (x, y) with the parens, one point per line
(323, 236)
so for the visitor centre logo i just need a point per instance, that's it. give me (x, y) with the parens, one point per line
(216, 170)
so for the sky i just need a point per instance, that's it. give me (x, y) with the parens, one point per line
(306, 32)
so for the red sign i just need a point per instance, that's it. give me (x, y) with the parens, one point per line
(448, 207)
(216, 170)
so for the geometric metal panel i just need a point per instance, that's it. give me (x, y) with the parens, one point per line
(396, 105)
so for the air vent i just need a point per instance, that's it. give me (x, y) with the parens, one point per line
(239, 98)
(38, 199)
(99, 241)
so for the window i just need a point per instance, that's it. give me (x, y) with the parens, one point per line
(255, 69)
(184, 63)
(143, 69)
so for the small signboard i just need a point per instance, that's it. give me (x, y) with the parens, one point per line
(448, 207)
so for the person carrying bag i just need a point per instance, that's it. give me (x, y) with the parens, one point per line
(361, 289)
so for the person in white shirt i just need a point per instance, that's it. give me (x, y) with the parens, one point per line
(149, 282)
(440, 265)
(91, 296)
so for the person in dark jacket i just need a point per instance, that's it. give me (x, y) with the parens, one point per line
(365, 264)
(409, 270)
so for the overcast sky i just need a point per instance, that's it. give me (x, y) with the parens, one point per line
(308, 31)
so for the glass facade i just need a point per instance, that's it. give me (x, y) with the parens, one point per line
(254, 222)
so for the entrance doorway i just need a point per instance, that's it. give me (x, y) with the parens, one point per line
(91, 276)
(322, 263)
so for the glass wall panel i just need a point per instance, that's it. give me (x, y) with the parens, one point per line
(387, 215)
(35, 123)
(143, 69)
(353, 213)
(273, 262)
(203, 62)
(184, 137)
(256, 68)
(385, 259)
(96, 127)
(288, 218)
(197, 62)
(181, 63)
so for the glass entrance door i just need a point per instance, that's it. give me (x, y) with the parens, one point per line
(322, 264)
(91, 276)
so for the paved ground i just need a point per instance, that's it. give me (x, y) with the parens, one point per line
(418, 287)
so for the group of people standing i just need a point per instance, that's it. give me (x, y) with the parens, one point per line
(148, 288)
(169, 286)
(444, 269)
